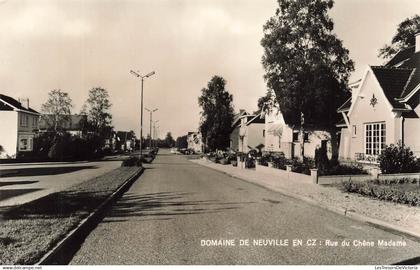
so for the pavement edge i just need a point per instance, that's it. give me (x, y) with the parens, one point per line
(87, 224)
(372, 221)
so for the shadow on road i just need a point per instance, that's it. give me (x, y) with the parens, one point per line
(42, 171)
(9, 193)
(166, 205)
(12, 183)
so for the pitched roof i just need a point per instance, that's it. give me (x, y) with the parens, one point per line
(238, 116)
(255, 119)
(393, 82)
(346, 106)
(414, 81)
(74, 122)
(14, 103)
(401, 56)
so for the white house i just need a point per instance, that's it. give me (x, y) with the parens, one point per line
(384, 109)
(195, 142)
(19, 124)
(280, 137)
(251, 132)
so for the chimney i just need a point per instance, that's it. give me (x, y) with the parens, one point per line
(417, 36)
(24, 102)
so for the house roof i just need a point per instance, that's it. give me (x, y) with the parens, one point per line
(393, 82)
(346, 106)
(10, 104)
(122, 135)
(74, 122)
(414, 81)
(341, 123)
(238, 116)
(255, 119)
(401, 56)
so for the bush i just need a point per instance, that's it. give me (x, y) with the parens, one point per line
(395, 192)
(340, 169)
(132, 161)
(304, 166)
(398, 159)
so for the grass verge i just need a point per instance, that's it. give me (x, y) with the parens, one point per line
(29, 231)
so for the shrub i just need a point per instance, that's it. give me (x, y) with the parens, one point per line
(340, 169)
(389, 192)
(304, 166)
(398, 159)
(132, 161)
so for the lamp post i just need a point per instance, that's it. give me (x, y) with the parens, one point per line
(154, 132)
(150, 132)
(141, 97)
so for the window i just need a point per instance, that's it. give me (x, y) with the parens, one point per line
(306, 137)
(34, 121)
(354, 130)
(375, 138)
(295, 136)
(263, 132)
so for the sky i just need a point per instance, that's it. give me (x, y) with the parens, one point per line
(75, 45)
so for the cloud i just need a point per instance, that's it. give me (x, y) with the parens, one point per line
(41, 20)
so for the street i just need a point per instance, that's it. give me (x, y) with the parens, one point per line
(175, 204)
(21, 183)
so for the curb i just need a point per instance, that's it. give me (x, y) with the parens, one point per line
(372, 221)
(60, 250)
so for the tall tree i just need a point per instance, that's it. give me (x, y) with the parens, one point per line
(306, 65)
(57, 110)
(169, 140)
(181, 142)
(404, 38)
(97, 108)
(216, 115)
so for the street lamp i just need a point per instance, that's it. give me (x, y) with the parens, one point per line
(141, 117)
(150, 133)
(154, 132)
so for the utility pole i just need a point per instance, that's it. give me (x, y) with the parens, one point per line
(141, 110)
(154, 132)
(150, 132)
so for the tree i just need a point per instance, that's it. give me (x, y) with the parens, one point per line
(306, 65)
(216, 115)
(57, 110)
(181, 142)
(169, 141)
(97, 108)
(404, 38)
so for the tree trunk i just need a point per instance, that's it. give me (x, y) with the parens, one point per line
(334, 145)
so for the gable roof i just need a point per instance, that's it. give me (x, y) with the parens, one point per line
(256, 119)
(74, 122)
(393, 82)
(11, 104)
(346, 106)
(237, 117)
(401, 56)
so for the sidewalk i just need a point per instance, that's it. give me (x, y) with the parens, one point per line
(394, 216)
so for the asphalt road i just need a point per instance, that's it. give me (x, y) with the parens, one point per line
(21, 183)
(176, 204)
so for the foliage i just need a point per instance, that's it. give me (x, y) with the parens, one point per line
(398, 159)
(169, 140)
(97, 108)
(304, 166)
(181, 142)
(306, 65)
(341, 169)
(399, 191)
(403, 38)
(216, 115)
(132, 161)
(56, 110)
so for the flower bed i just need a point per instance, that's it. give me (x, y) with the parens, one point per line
(29, 231)
(405, 191)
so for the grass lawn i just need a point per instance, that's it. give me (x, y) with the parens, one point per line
(29, 231)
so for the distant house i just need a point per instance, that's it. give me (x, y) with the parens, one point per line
(19, 124)
(73, 125)
(280, 137)
(383, 109)
(234, 134)
(125, 141)
(195, 142)
(251, 132)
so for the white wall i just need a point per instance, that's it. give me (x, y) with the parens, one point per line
(8, 131)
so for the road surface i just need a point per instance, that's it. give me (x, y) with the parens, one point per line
(21, 183)
(177, 206)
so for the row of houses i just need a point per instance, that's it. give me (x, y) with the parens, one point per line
(20, 124)
(383, 109)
